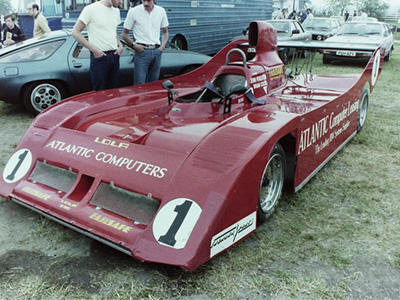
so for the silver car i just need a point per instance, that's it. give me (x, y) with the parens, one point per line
(357, 35)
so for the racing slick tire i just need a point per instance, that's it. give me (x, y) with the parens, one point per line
(40, 95)
(271, 184)
(326, 60)
(363, 109)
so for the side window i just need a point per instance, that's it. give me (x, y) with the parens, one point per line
(39, 52)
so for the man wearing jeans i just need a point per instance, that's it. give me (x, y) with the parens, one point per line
(146, 20)
(101, 19)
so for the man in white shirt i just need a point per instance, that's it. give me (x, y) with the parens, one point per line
(101, 19)
(363, 16)
(146, 20)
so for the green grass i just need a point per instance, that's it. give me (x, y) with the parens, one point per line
(331, 240)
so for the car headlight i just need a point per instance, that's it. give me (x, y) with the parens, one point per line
(319, 37)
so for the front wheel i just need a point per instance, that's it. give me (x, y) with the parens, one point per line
(388, 56)
(271, 184)
(40, 95)
(326, 60)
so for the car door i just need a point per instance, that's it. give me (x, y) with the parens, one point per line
(79, 65)
(387, 37)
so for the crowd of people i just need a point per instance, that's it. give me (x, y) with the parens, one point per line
(284, 14)
(307, 13)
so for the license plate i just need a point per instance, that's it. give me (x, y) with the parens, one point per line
(346, 53)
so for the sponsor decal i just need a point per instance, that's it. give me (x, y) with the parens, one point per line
(110, 159)
(175, 221)
(17, 166)
(110, 222)
(111, 143)
(36, 193)
(67, 205)
(233, 234)
(259, 81)
(317, 133)
(276, 73)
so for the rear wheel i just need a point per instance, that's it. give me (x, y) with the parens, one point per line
(40, 95)
(363, 109)
(271, 185)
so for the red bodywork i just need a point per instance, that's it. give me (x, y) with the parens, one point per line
(179, 183)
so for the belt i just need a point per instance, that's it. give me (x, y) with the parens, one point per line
(150, 47)
(109, 51)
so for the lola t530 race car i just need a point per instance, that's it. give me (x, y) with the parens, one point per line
(176, 172)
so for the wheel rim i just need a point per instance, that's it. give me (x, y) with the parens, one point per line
(271, 183)
(363, 111)
(45, 95)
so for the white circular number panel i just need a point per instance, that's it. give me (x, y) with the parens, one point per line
(18, 165)
(175, 222)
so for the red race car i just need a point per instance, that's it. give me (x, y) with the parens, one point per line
(176, 172)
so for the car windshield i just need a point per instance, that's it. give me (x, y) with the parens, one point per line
(37, 52)
(360, 29)
(318, 23)
(281, 27)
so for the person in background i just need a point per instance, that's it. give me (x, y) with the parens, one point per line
(346, 16)
(146, 20)
(284, 13)
(303, 15)
(40, 25)
(101, 19)
(12, 33)
(292, 15)
(309, 13)
(363, 16)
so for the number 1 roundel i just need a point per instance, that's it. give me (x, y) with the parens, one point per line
(175, 222)
(18, 165)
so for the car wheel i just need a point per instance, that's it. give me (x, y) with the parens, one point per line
(39, 96)
(363, 109)
(284, 55)
(178, 42)
(271, 184)
(326, 60)
(388, 56)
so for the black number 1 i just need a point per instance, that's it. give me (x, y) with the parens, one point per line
(182, 210)
(21, 158)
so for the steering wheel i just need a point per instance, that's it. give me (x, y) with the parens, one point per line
(240, 52)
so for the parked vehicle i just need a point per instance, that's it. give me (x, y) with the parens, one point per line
(357, 34)
(42, 71)
(286, 30)
(321, 28)
(289, 30)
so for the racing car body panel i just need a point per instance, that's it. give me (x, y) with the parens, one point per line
(174, 174)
